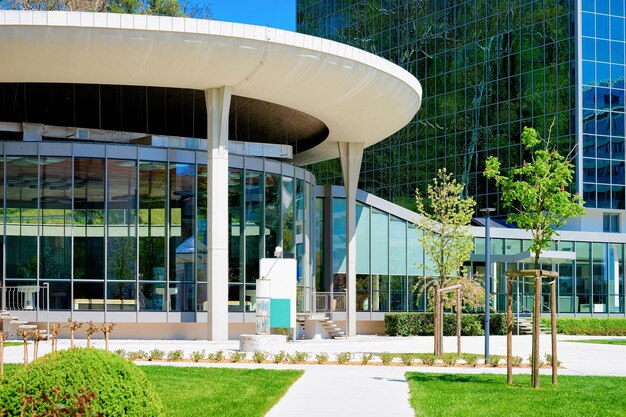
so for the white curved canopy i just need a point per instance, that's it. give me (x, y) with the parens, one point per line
(359, 96)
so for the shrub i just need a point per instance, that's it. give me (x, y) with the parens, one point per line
(137, 355)
(494, 360)
(219, 356)
(422, 324)
(549, 360)
(407, 359)
(237, 356)
(298, 357)
(259, 357)
(197, 355)
(471, 360)
(450, 360)
(343, 357)
(321, 358)
(120, 387)
(386, 358)
(589, 326)
(516, 361)
(365, 358)
(427, 359)
(175, 355)
(280, 356)
(156, 355)
(121, 353)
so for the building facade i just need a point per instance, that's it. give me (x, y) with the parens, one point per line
(488, 69)
(148, 163)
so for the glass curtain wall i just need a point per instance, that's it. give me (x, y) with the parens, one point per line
(130, 234)
(391, 266)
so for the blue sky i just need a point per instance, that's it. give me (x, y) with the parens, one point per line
(274, 13)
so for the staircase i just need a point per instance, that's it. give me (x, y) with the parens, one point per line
(7, 321)
(524, 325)
(332, 329)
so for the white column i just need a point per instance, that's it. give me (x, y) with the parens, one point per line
(218, 106)
(351, 154)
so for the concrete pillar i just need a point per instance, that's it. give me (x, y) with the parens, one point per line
(218, 107)
(351, 154)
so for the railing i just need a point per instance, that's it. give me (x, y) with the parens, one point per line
(27, 298)
(329, 302)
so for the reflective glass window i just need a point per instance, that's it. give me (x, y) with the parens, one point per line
(272, 213)
(152, 221)
(122, 217)
(56, 218)
(288, 214)
(380, 235)
(362, 239)
(397, 246)
(89, 219)
(253, 225)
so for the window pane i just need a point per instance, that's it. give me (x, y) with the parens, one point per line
(89, 219)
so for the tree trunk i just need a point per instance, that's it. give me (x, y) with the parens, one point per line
(553, 330)
(458, 321)
(106, 341)
(1, 356)
(536, 317)
(88, 340)
(35, 348)
(25, 352)
(509, 332)
(71, 338)
(436, 321)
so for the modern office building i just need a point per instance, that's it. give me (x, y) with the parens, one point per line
(488, 69)
(147, 163)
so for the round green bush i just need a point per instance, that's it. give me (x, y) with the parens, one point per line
(119, 386)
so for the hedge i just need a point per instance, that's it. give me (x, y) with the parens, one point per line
(422, 324)
(589, 326)
(120, 388)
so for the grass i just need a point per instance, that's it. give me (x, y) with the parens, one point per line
(208, 392)
(7, 344)
(192, 391)
(602, 341)
(440, 395)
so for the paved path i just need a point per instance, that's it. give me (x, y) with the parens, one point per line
(352, 390)
(347, 391)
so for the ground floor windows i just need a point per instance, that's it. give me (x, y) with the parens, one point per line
(125, 228)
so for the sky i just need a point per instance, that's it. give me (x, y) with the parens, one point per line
(279, 14)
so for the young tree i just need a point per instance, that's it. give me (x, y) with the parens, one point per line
(446, 240)
(446, 237)
(54, 335)
(91, 329)
(73, 326)
(537, 193)
(107, 328)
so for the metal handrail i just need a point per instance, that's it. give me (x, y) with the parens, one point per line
(326, 302)
(28, 298)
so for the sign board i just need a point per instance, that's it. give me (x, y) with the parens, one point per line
(282, 274)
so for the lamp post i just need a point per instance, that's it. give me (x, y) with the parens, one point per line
(487, 211)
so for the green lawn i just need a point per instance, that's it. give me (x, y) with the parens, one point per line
(602, 341)
(6, 344)
(436, 395)
(206, 392)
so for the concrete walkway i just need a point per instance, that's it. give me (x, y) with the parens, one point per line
(353, 390)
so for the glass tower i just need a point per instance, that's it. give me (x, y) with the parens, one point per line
(601, 115)
(488, 68)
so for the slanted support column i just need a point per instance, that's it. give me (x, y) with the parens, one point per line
(351, 154)
(218, 107)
